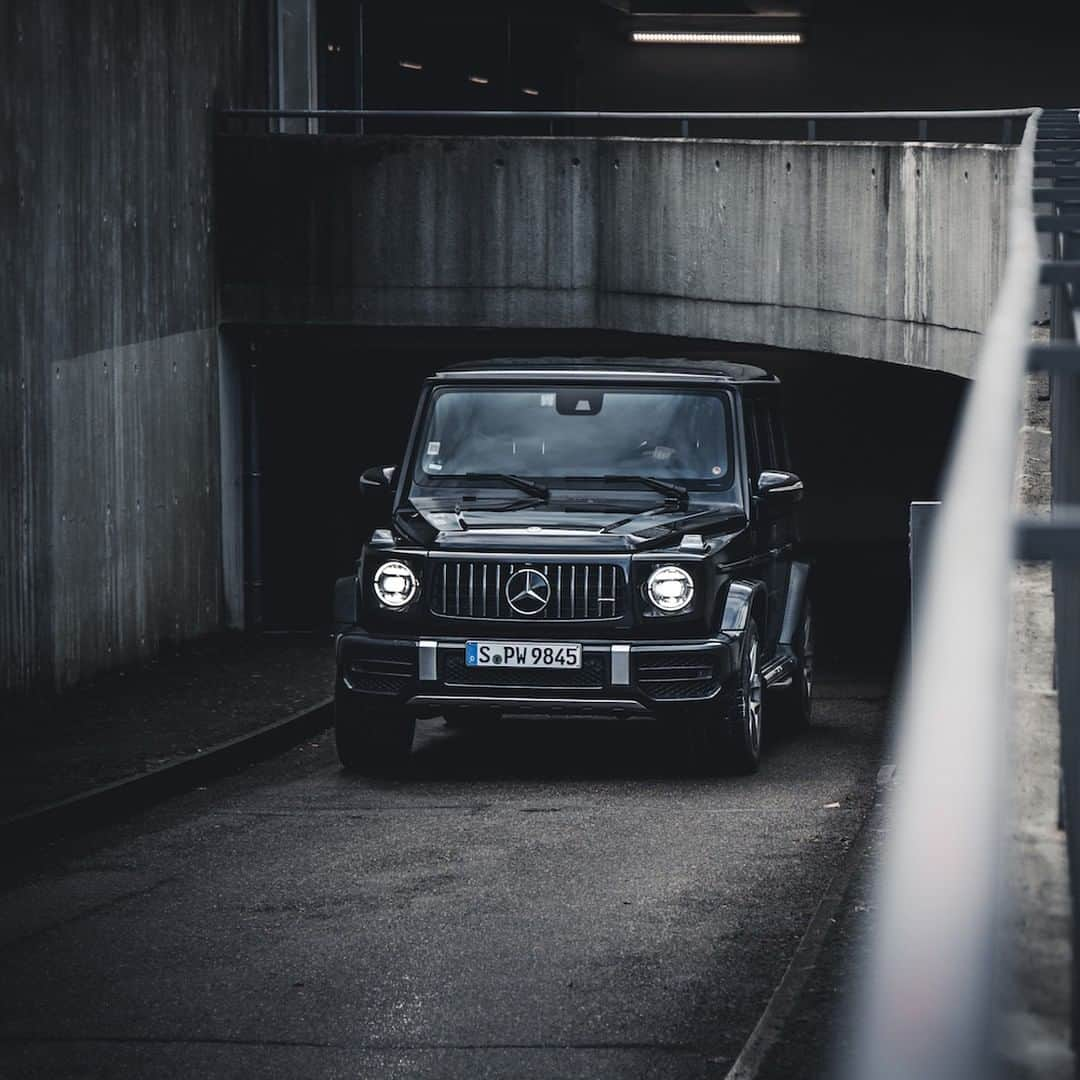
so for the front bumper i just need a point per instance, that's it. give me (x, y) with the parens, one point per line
(430, 675)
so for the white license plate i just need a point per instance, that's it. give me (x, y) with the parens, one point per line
(522, 654)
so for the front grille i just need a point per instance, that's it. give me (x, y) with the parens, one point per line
(676, 676)
(592, 675)
(473, 589)
(379, 674)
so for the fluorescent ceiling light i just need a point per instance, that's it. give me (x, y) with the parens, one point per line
(480, 80)
(689, 37)
(410, 65)
(531, 91)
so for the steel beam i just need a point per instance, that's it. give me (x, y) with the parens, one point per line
(1050, 539)
(1060, 272)
(1057, 357)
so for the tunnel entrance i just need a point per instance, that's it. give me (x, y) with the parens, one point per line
(867, 438)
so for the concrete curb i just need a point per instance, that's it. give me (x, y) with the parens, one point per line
(122, 797)
(785, 999)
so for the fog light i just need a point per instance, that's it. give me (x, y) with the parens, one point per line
(670, 589)
(396, 585)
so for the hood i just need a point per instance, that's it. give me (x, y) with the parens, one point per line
(552, 529)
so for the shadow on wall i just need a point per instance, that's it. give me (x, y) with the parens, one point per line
(867, 438)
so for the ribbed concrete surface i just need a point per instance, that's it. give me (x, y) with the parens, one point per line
(109, 525)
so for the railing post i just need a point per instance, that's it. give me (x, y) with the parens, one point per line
(684, 128)
(924, 128)
(811, 130)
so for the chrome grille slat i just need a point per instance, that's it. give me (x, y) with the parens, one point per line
(476, 589)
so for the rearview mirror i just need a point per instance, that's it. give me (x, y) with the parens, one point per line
(774, 484)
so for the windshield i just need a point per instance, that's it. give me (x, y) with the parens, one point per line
(553, 434)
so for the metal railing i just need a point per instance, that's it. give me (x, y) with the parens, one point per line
(581, 122)
(1058, 538)
(927, 1004)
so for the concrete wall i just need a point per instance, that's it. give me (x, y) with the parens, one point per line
(110, 530)
(885, 251)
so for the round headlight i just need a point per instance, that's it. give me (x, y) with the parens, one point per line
(395, 584)
(670, 588)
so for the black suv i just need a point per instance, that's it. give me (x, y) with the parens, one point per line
(586, 536)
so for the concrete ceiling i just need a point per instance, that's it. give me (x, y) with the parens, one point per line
(842, 12)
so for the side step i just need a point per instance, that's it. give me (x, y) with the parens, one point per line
(779, 671)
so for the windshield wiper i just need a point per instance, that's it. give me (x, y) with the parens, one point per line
(665, 487)
(517, 504)
(538, 491)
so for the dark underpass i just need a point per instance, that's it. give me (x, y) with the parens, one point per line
(867, 438)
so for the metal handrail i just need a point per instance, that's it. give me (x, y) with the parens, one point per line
(926, 1007)
(579, 114)
(310, 120)
(1057, 538)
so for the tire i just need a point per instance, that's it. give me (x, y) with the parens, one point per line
(731, 741)
(746, 707)
(794, 704)
(371, 740)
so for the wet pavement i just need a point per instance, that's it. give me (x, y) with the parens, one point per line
(535, 899)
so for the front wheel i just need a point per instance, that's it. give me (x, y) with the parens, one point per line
(371, 740)
(746, 708)
(732, 740)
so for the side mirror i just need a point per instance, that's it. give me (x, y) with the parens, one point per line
(378, 479)
(779, 486)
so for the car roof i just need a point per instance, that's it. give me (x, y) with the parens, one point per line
(707, 368)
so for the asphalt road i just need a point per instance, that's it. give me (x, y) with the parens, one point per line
(550, 900)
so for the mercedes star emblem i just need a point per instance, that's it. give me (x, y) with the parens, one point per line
(528, 592)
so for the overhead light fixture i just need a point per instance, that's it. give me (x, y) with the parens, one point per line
(480, 80)
(695, 37)
(531, 91)
(410, 65)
